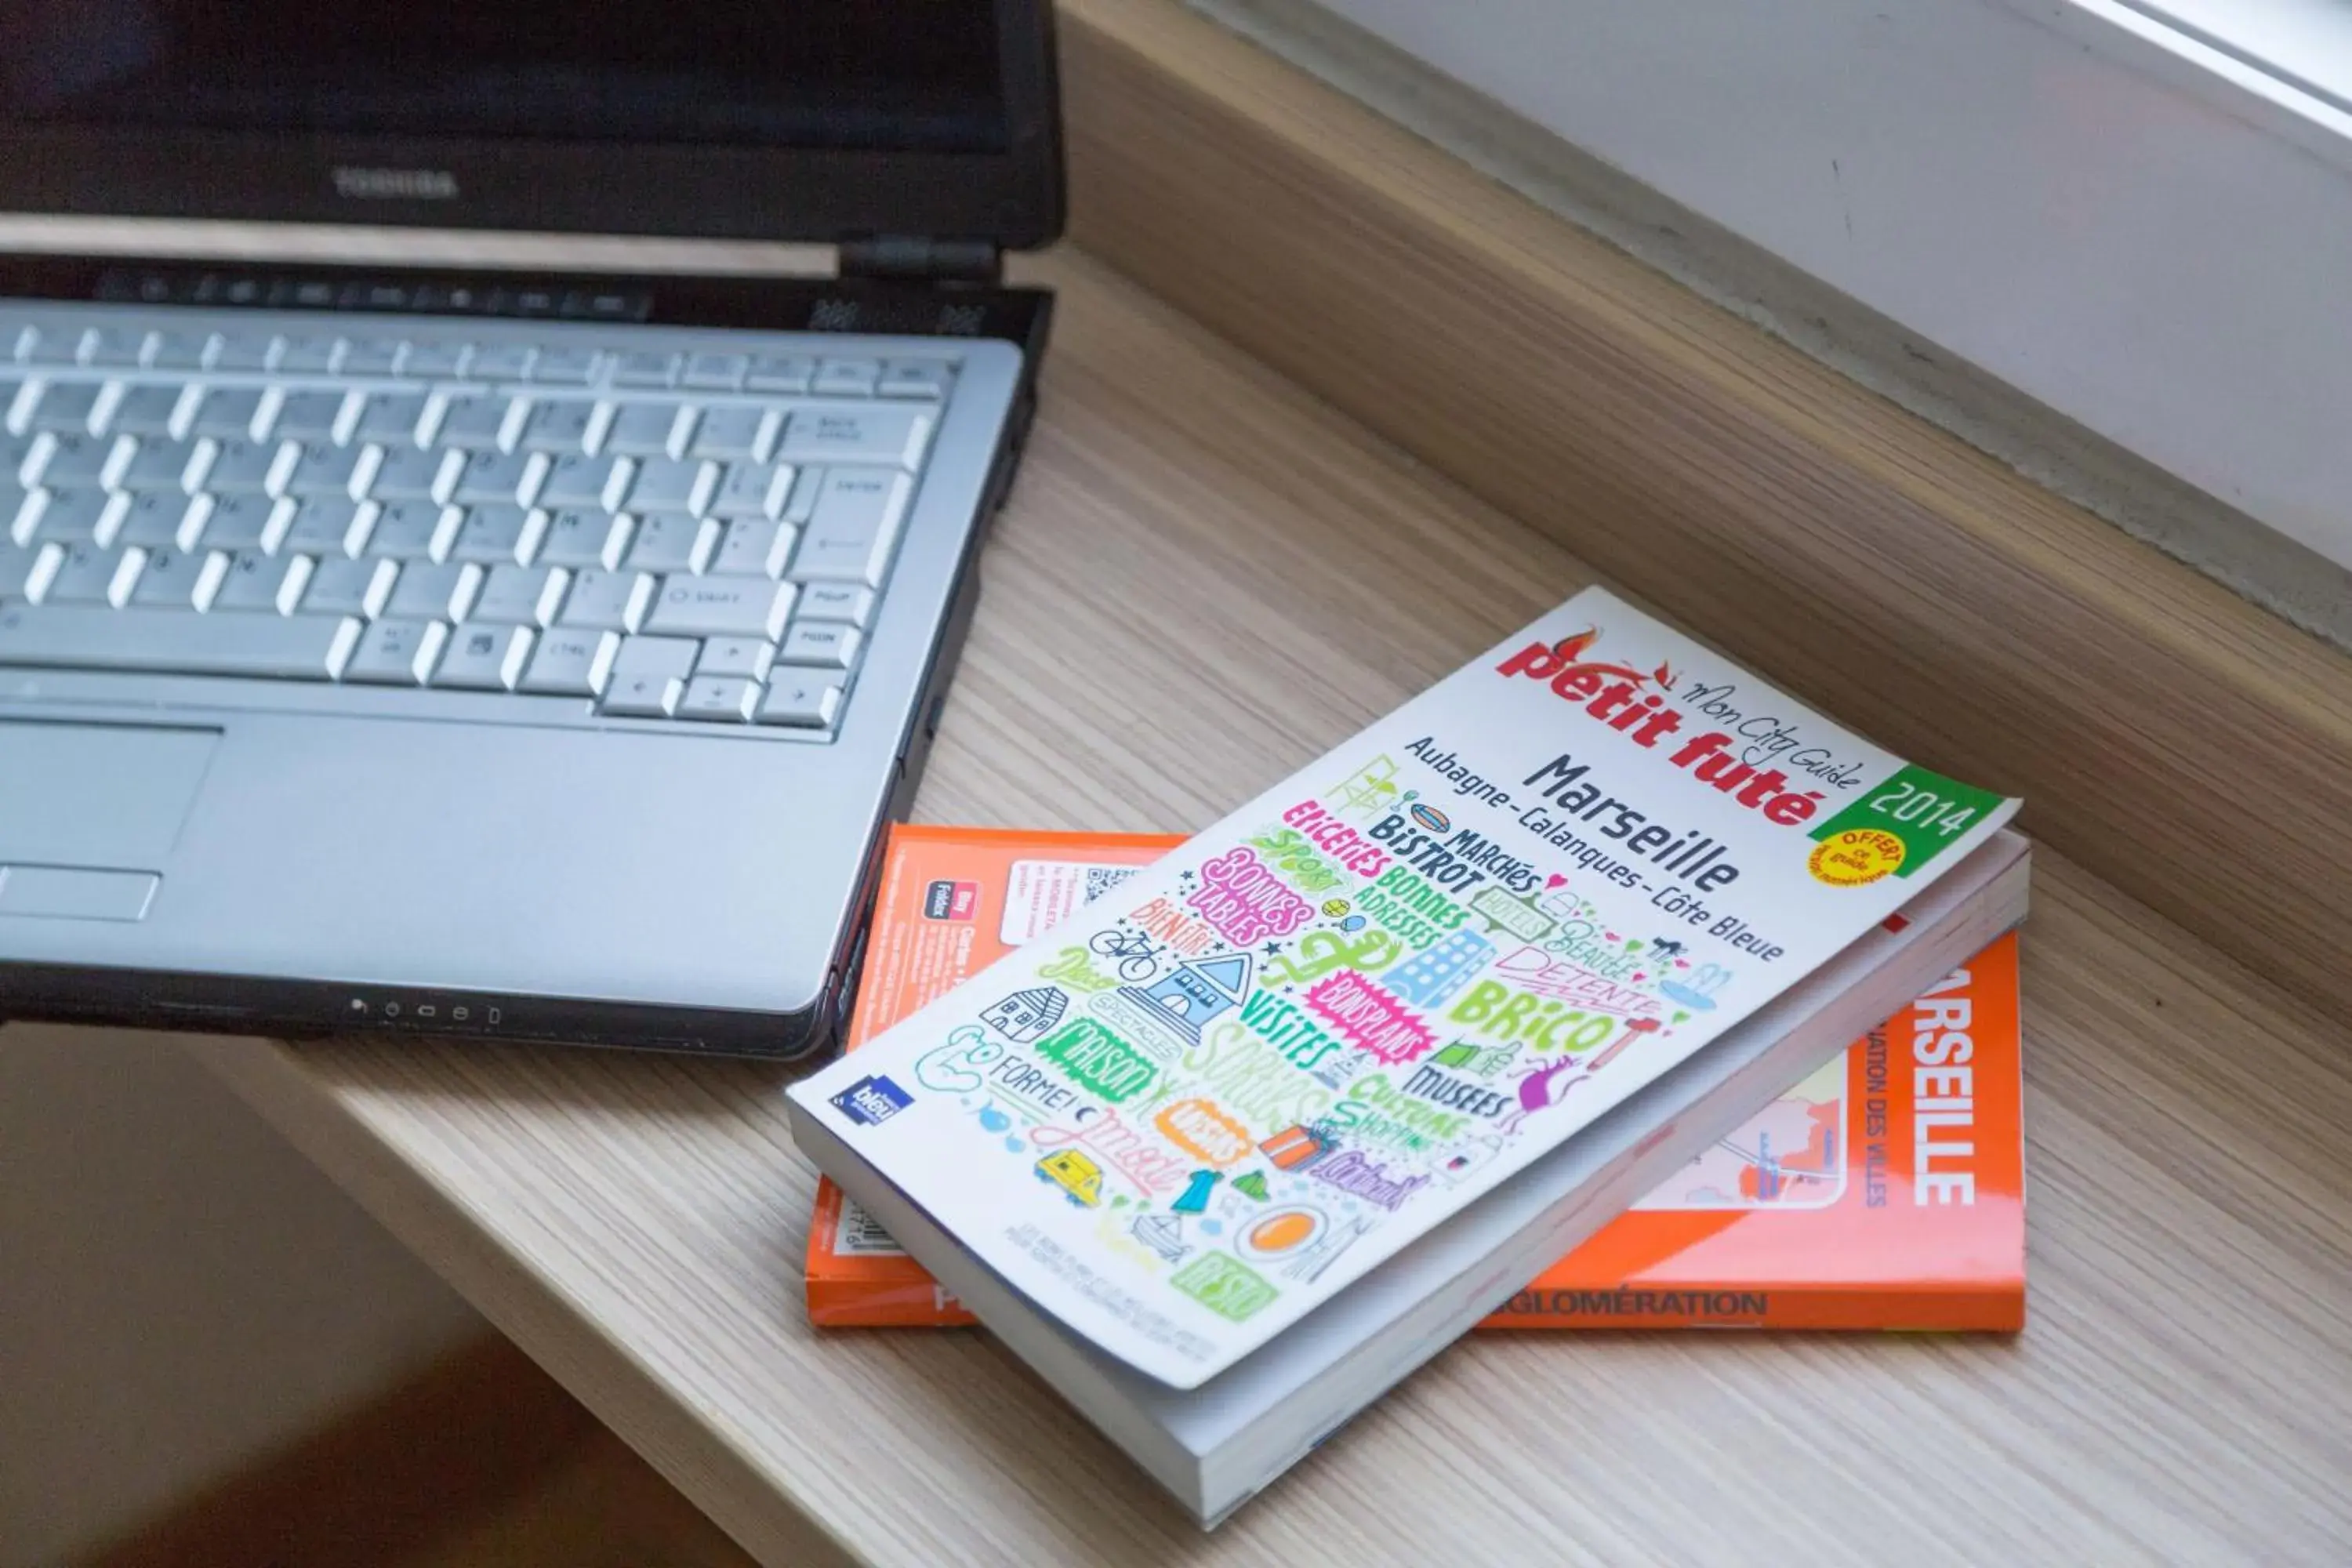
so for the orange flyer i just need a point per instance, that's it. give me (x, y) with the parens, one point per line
(1886, 1191)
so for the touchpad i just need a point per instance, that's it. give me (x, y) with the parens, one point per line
(98, 794)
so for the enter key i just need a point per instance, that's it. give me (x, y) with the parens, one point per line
(853, 527)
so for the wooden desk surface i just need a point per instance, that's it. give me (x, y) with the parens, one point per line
(1205, 579)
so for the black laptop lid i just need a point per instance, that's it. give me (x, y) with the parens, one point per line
(824, 121)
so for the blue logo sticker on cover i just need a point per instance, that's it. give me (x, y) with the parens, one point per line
(872, 1101)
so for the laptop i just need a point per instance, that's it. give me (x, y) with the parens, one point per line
(495, 653)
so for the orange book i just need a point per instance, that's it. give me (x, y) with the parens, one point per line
(1886, 1191)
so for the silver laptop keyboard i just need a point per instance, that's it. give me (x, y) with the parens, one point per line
(697, 538)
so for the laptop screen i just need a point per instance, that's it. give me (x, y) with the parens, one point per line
(879, 75)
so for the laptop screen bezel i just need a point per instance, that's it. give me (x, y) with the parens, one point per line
(1012, 198)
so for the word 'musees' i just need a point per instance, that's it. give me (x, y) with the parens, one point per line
(1466, 1094)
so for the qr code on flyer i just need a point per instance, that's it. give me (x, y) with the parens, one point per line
(857, 1233)
(1101, 879)
(1041, 894)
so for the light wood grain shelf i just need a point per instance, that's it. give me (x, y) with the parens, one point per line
(1207, 576)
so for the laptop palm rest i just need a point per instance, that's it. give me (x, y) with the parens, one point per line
(82, 803)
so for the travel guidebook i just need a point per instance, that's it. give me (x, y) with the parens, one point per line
(1883, 1191)
(1467, 874)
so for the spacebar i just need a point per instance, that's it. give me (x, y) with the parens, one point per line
(233, 642)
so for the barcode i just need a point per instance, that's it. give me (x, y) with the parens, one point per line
(860, 1234)
(1101, 879)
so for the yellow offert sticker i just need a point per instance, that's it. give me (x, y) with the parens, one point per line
(1855, 857)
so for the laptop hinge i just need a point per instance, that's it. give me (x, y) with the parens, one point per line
(929, 260)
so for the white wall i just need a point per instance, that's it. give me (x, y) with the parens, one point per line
(179, 1289)
(2150, 234)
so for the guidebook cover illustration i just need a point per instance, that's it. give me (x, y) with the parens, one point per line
(1817, 1215)
(1390, 981)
